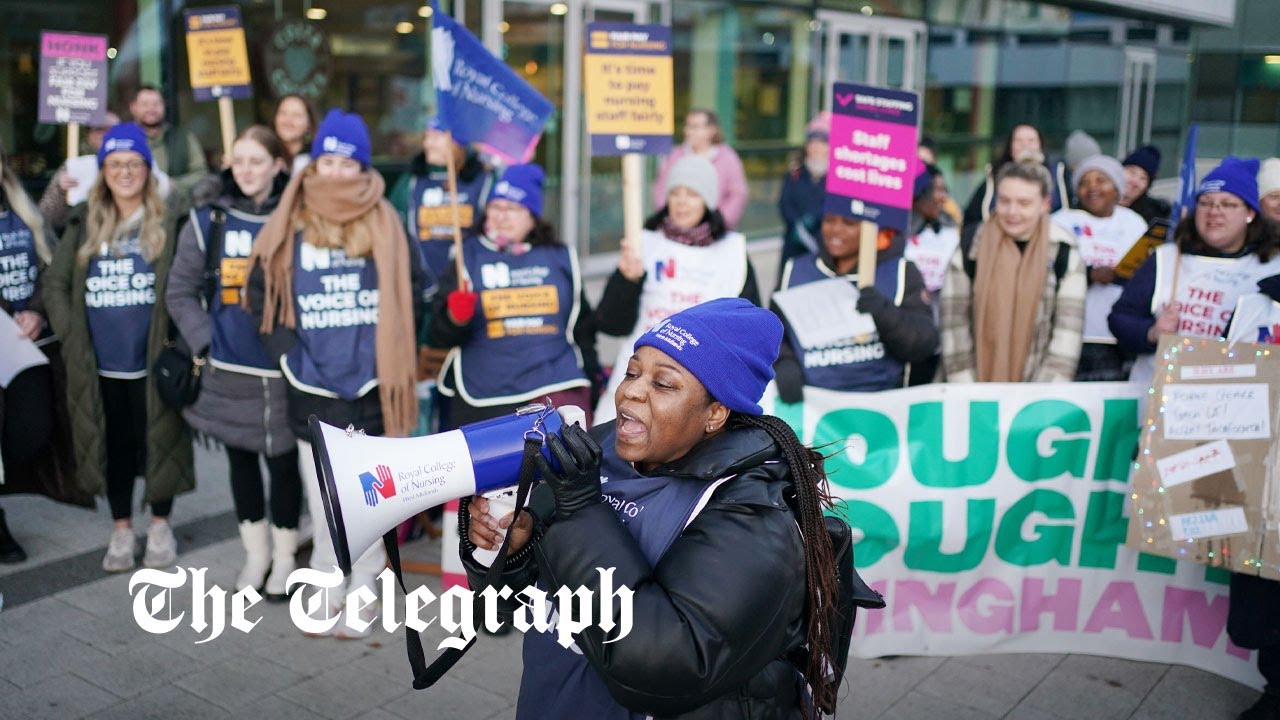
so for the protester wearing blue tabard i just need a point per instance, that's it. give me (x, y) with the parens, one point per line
(704, 508)
(336, 287)
(105, 296)
(519, 322)
(35, 433)
(889, 325)
(242, 395)
(427, 201)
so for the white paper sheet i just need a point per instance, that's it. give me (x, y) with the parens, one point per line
(824, 312)
(1208, 523)
(16, 353)
(1195, 463)
(85, 170)
(1235, 411)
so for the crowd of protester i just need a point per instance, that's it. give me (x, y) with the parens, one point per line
(300, 285)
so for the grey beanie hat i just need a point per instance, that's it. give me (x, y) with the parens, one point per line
(699, 175)
(1104, 164)
(1081, 145)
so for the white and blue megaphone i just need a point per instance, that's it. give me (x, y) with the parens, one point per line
(370, 485)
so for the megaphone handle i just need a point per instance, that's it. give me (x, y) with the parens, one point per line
(424, 676)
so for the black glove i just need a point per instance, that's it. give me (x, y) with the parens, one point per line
(871, 301)
(1270, 286)
(577, 484)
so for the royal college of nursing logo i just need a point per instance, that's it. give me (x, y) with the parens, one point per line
(379, 487)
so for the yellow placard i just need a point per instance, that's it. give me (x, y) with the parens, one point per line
(234, 272)
(1142, 249)
(628, 94)
(218, 58)
(441, 216)
(520, 302)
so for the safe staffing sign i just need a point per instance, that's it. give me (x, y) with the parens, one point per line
(629, 88)
(873, 154)
(217, 54)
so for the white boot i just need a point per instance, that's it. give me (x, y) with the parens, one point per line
(257, 554)
(284, 548)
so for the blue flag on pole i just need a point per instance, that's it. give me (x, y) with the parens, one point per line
(479, 98)
(1187, 174)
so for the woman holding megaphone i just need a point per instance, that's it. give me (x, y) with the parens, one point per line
(336, 286)
(710, 512)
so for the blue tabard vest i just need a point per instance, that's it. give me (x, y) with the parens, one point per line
(120, 291)
(521, 344)
(19, 264)
(430, 216)
(854, 364)
(558, 682)
(336, 305)
(235, 344)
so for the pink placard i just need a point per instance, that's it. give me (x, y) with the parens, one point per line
(873, 161)
(73, 45)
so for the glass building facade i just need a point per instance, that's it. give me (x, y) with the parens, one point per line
(1127, 72)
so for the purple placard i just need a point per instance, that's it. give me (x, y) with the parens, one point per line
(73, 78)
(873, 154)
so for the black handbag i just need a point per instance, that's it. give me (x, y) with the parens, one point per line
(177, 373)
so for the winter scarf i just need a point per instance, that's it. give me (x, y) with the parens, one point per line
(1006, 297)
(348, 202)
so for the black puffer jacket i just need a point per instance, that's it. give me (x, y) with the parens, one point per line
(718, 613)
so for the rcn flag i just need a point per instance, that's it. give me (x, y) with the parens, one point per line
(1187, 174)
(479, 98)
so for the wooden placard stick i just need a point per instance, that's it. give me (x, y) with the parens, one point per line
(463, 285)
(868, 235)
(632, 201)
(227, 119)
(73, 140)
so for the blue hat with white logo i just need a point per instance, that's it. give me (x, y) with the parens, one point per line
(729, 344)
(344, 135)
(521, 184)
(125, 137)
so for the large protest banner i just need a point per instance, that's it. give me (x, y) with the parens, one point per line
(993, 519)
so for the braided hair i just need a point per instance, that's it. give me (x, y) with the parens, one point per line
(811, 497)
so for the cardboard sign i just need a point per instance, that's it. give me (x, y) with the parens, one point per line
(1141, 250)
(630, 108)
(73, 78)
(873, 154)
(216, 53)
(1212, 503)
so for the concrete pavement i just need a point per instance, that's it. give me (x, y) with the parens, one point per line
(69, 647)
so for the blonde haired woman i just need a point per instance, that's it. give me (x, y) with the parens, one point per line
(105, 298)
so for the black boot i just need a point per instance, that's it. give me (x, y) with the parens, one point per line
(1267, 708)
(10, 551)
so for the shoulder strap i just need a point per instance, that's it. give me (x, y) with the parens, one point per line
(966, 244)
(1060, 262)
(212, 251)
(425, 676)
